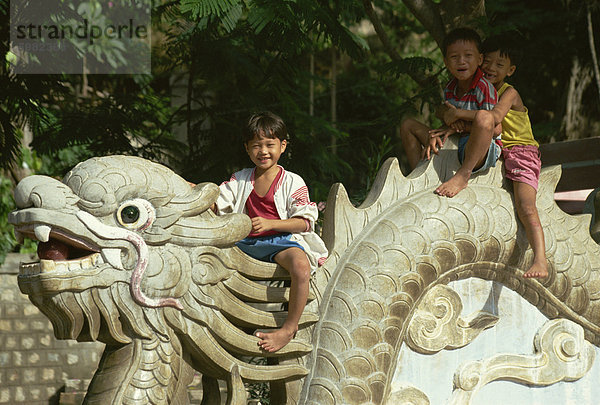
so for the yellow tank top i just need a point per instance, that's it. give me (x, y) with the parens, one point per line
(516, 127)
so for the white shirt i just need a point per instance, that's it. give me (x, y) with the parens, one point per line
(291, 200)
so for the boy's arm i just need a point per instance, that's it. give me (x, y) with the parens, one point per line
(291, 225)
(301, 212)
(227, 197)
(499, 112)
(466, 126)
(299, 205)
(450, 114)
(507, 100)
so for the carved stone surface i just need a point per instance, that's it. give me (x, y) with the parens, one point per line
(561, 354)
(407, 395)
(164, 288)
(513, 335)
(437, 325)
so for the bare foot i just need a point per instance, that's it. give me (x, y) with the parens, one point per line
(453, 186)
(273, 341)
(537, 270)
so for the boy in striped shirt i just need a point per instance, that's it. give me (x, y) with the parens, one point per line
(283, 218)
(469, 90)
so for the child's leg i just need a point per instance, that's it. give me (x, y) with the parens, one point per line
(528, 214)
(294, 260)
(482, 132)
(414, 137)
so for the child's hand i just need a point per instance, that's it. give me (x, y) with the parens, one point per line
(260, 224)
(459, 126)
(435, 143)
(450, 113)
(443, 132)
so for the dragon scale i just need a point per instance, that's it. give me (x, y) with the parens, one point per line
(423, 241)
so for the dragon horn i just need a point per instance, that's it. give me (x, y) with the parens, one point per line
(211, 230)
(201, 197)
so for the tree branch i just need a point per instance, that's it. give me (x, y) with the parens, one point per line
(383, 36)
(460, 13)
(421, 78)
(593, 47)
(428, 14)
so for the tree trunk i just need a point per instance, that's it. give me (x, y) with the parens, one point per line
(456, 14)
(311, 87)
(191, 139)
(593, 48)
(440, 18)
(574, 122)
(333, 98)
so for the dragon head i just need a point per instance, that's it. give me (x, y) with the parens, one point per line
(114, 224)
(129, 250)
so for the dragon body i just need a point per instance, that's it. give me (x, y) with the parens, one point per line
(154, 274)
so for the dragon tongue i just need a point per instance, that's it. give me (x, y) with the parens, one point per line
(53, 250)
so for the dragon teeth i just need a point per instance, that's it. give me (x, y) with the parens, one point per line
(74, 265)
(42, 233)
(29, 268)
(113, 257)
(86, 262)
(48, 266)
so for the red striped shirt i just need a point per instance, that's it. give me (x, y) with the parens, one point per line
(481, 95)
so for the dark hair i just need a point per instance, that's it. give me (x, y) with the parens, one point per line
(265, 124)
(504, 43)
(461, 34)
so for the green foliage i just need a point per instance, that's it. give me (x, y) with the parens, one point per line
(217, 61)
(117, 124)
(8, 242)
(227, 11)
(58, 163)
(550, 34)
(374, 157)
(235, 71)
(7, 204)
(413, 64)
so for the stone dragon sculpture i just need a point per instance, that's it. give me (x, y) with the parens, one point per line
(131, 255)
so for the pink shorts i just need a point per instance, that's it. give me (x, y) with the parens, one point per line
(522, 163)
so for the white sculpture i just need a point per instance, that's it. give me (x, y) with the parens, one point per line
(154, 274)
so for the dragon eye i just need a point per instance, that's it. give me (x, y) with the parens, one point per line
(130, 214)
(136, 214)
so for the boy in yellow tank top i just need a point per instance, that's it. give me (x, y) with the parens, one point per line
(520, 150)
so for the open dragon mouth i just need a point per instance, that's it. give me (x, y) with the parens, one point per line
(58, 252)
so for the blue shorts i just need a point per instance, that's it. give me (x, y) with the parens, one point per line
(265, 248)
(492, 155)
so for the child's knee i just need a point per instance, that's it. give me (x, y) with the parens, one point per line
(484, 119)
(301, 267)
(407, 126)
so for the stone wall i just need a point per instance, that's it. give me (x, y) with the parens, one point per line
(36, 368)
